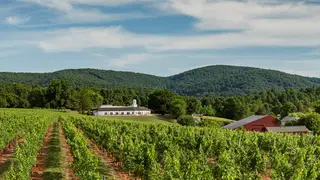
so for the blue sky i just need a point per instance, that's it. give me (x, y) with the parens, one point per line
(159, 37)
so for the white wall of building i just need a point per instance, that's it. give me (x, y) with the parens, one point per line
(121, 113)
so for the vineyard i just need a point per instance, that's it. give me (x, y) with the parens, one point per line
(43, 144)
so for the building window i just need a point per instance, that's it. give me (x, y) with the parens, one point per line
(111, 113)
(105, 113)
(117, 113)
(128, 113)
(122, 113)
(139, 113)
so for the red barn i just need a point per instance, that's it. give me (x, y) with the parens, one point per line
(255, 123)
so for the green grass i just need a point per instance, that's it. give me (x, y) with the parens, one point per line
(53, 160)
(149, 119)
(217, 118)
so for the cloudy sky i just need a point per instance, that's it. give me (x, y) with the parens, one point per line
(160, 37)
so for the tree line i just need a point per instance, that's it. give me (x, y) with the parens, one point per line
(60, 94)
(276, 103)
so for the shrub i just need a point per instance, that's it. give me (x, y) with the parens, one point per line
(186, 121)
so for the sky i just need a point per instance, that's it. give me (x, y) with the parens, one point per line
(159, 37)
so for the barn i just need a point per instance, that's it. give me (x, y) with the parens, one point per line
(254, 123)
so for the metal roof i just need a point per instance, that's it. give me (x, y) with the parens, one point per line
(122, 108)
(288, 129)
(289, 118)
(243, 121)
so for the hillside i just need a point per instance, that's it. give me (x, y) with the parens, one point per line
(219, 79)
(87, 77)
(230, 80)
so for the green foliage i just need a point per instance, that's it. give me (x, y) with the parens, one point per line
(85, 99)
(316, 107)
(207, 110)
(222, 80)
(160, 101)
(186, 120)
(178, 107)
(288, 108)
(236, 109)
(3, 102)
(234, 80)
(311, 121)
(176, 152)
(86, 163)
(193, 105)
(29, 125)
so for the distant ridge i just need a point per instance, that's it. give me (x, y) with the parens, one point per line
(219, 79)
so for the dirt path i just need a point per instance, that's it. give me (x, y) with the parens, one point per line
(7, 154)
(66, 155)
(39, 167)
(109, 162)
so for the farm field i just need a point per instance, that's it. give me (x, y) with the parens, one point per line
(43, 144)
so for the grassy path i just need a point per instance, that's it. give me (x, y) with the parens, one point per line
(66, 156)
(52, 160)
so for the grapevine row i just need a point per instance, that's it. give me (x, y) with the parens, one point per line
(86, 163)
(35, 127)
(173, 152)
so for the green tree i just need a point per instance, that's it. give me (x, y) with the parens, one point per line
(236, 108)
(3, 102)
(193, 105)
(311, 121)
(160, 101)
(58, 94)
(87, 99)
(207, 110)
(288, 108)
(316, 107)
(37, 97)
(178, 107)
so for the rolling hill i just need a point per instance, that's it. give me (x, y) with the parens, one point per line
(219, 79)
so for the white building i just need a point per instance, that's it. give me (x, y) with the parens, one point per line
(134, 110)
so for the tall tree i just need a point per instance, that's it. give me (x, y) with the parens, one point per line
(160, 101)
(178, 107)
(87, 99)
(193, 105)
(288, 108)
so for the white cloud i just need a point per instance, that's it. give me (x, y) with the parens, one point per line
(108, 2)
(13, 20)
(130, 59)
(62, 5)
(69, 13)
(77, 39)
(273, 19)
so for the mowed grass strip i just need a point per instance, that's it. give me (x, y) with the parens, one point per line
(160, 119)
(53, 161)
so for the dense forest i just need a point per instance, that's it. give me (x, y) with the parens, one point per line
(61, 94)
(219, 79)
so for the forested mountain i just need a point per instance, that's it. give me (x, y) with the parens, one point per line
(236, 80)
(87, 78)
(219, 79)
